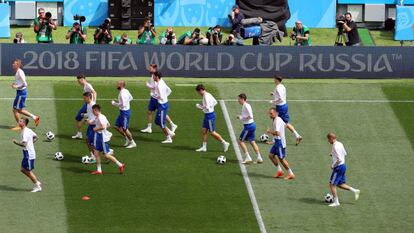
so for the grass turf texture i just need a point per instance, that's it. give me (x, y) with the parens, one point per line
(170, 188)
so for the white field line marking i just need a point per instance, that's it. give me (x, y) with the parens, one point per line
(243, 168)
(185, 85)
(227, 100)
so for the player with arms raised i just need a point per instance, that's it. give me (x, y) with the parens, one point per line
(338, 166)
(19, 103)
(28, 138)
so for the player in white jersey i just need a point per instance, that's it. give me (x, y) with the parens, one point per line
(19, 103)
(87, 87)
(101, 140)
(279, 145)
(209, 122)
(280, 101)
(153, 103)
(122, 122)
(338, 167)
(249, 130)
(28, 138)
(87, 97)
(162, 91)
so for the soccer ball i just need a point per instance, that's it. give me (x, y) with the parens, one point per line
(328, 198)
(59, 156)
(264, 138)
(221, 160)
(50, 136)
(85, 159)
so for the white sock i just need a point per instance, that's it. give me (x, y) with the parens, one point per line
(259, 156)
(119, 164)
(132, 141)
(92, 155)
(37, 183)
(204, 144)
(278, 168)
(223, 141)
(126, 139)
(98, 168)
(336, 200)
(168, 137)
(149, 125)
(290, 171)
(248, 156)
(79, 133)
(33, 116)
(352, 189)
(172, 123)
(296, 134)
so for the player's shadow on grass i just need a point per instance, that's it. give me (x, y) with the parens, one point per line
(5, 127)
(12, 189)
(258, 175)
(78, 170)
(311, 200)
(232, 161)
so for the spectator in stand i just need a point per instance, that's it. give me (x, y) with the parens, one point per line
(122, 40)
(18, 39)
(214, 35)
(168, 37)
(146, 33)
(76, 35)
(235, 17)
(190, 38)
(43, 26)
(103, 34)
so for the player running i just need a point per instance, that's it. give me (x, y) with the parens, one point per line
(153, 103)
(279, 94)
(162, 91)
(90, 117)
(279, 145)
(19, 103)
(338, 179)
(122, 122)
(207, 106)
(87, 87)
(28, 138)
(249, 130)
(101, 140)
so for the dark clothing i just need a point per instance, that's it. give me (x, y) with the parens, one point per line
(353, 36)
(236, 23)
(102, 39)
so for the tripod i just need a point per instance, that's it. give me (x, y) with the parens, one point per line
(340, 39)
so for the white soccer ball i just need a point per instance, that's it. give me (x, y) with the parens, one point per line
(328, 198)
(50, 136)
(264, 138)
(221, 160)
(85, 159)
(59, 156)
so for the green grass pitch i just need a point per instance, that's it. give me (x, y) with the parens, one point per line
(171, 188)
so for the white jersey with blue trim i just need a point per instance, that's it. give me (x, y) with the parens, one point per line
(89, 111)
(338, 153)
(162, 91)
(20, 79)
(102, 122)
(88, 88)
(208, 102)
(124, 99)
(280, 94)
(151, 86)
(279, 125)
(247, 114)
(27, 136)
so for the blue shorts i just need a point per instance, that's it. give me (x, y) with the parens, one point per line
(209, 121)
(82, 111)
(278, 149)
(90, 134)
(122, 120)
(338, 175)
(248, 133)
(283, 112)
(27, 164)
(99, 144)
(162, 112)
(153, 104)
(20, 100)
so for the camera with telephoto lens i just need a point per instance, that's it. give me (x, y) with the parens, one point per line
(48, 18)
(81, 18)
(293, 36)
(170, 35)
(340, 20)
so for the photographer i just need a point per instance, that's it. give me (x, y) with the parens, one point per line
(76, 35)
(122, 40)
(231, 40)
(168, 37)
(301, 34)
(190, 38)
(235, 17)
(146, 33)
(103, 34)
(43, 26)
(214, 35)
(18, 39)
(351, 30)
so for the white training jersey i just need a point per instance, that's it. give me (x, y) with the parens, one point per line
(89, 111)
(247, 114)
(27, 137)
(280, 94)
(151, 86)
(338, 153)
(279, 125)
(124, 98)
(88, 88)
(208, 102)
(20, 79)
(102, 121)
(162, 91)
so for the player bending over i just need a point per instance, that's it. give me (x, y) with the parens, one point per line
(279, 95)
(249, 130)
(101, 140)
(122, 122)
(87, 87)
(162, 91)
(279, 147)
(209, 122)
(153, 103)
(338, 179)
(20, 85)
(28, 138)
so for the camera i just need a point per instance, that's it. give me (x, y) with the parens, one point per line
(293, 36)
(170, 35)
(81, 18)
(47, 18)
(340, 20)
